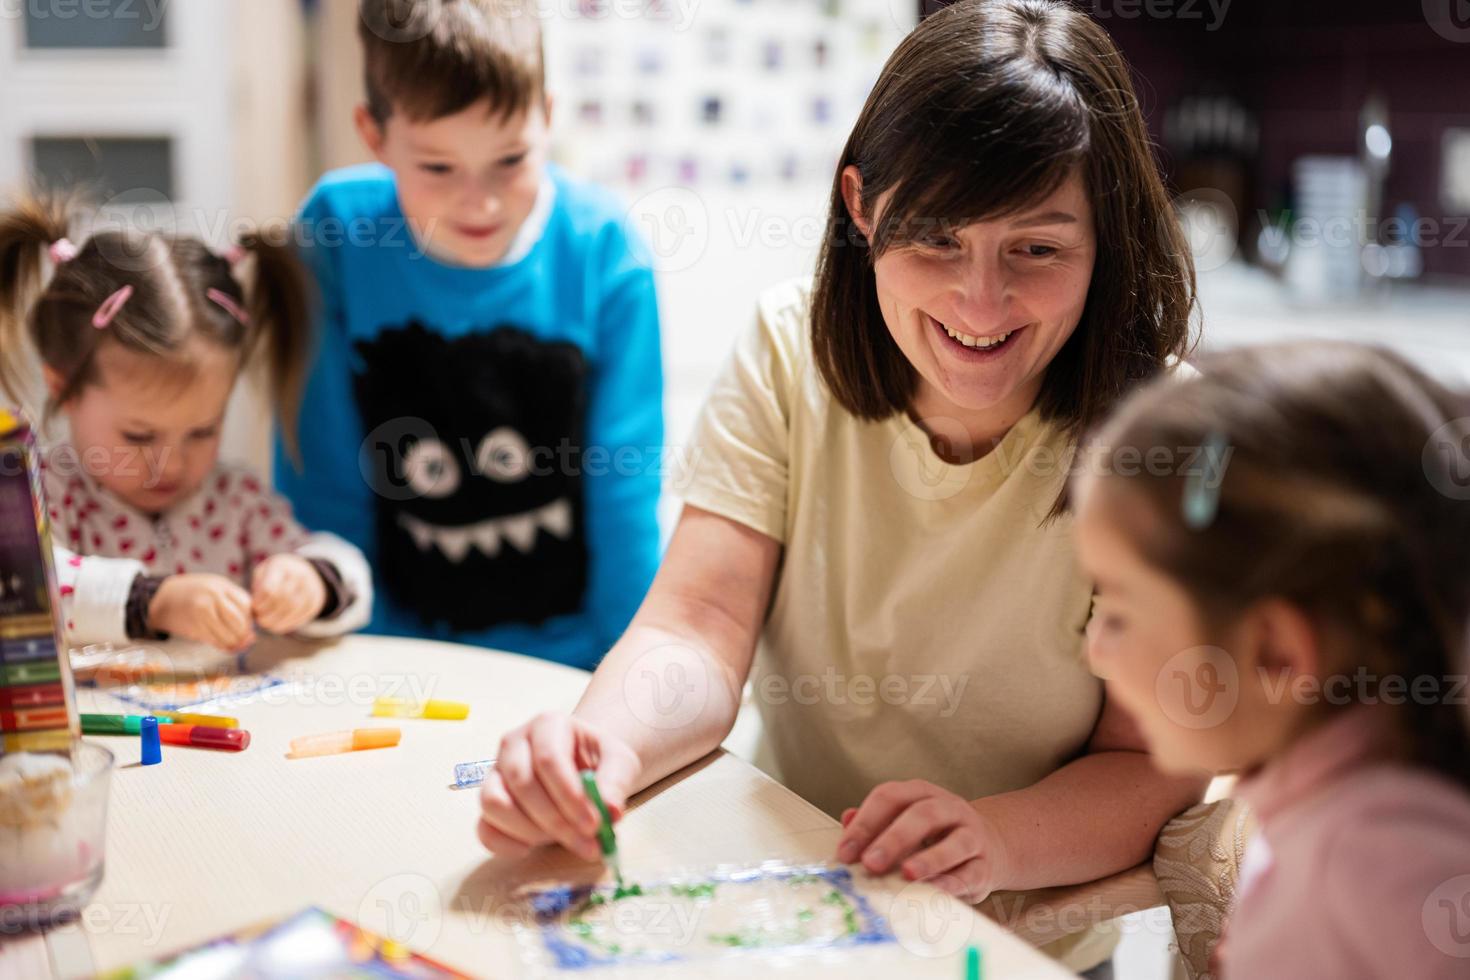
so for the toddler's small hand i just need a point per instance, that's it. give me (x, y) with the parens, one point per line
(286, 593)
(203, 607)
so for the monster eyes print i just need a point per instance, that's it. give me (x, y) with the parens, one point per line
(476, 464)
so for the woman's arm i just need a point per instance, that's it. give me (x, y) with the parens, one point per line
(666, 694)
(1093, 817)
(670, 688)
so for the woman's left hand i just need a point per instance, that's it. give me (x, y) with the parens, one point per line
(935, 835)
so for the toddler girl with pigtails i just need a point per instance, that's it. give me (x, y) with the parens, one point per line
(141, 338)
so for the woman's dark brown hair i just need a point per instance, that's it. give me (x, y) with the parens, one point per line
(984, 110)
(171, 278)
(1345, 491)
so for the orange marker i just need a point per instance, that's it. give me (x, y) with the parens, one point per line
(335, 743)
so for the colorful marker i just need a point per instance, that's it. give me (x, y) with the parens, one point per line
(404, 708)
(973, 963)
(605, 836)
(189, 718)
(115, 724)
(334, 743)
(468, 774)
(205, 737)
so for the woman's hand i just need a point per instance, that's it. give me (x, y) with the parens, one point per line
(935, 835)
(534, 794)
(286, 593)
(205, 608)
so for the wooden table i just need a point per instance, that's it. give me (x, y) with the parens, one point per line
(209, 842)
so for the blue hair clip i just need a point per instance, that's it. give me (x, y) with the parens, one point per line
(1202, 487)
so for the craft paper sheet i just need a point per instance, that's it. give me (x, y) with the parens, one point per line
(773, 908)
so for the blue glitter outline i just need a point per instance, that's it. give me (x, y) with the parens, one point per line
(570, 954)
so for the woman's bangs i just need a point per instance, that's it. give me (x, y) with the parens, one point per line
(1030, 136)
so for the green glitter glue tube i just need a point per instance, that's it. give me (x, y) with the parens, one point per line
(605, 836)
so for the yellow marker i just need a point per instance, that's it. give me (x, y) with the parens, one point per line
(208, 721)
(404, 708)
(334, 743)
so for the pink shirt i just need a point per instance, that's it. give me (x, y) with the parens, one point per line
(227, 526)
(1361, 867)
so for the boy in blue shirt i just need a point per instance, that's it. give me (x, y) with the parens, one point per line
(484, 416)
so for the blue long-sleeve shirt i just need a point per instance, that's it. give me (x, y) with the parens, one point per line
(490, 438)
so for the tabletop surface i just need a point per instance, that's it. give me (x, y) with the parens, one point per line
(210, 842)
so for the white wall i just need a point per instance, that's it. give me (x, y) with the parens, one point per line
(227, 91)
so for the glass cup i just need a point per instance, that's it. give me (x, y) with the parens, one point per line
(53, 826)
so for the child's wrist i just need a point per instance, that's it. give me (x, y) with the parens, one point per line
(338, 595)
(140, 612)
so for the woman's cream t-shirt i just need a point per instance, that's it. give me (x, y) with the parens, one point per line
(927, 620)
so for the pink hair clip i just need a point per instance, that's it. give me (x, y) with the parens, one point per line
(225, 302)
(110, 307)
(62, 251)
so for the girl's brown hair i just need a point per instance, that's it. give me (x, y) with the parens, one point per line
(985, 109)
(171, 279)
(1344, 491)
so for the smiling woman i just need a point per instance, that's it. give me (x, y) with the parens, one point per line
(1070, 231)
(878, 495)
(979, 312)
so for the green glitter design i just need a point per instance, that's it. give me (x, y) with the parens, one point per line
(751, 939)
(755, 940)
(849, 913)
(588, 934)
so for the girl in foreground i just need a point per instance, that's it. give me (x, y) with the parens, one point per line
(1293, 605)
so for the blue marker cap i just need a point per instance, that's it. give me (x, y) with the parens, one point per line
(152, 747)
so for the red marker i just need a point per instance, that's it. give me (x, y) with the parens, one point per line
(205, 736)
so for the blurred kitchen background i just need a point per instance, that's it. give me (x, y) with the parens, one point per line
(1320, 151)
(1320, 148)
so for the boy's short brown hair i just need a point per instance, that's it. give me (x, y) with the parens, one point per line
(433, 58)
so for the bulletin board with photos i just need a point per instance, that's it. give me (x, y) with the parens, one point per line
(710, 93)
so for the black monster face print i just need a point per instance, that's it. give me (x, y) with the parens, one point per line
(474, 451)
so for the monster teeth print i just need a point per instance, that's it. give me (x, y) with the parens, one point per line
(476, 465)
(519, 531)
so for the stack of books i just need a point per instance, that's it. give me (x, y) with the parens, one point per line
(37, 707)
